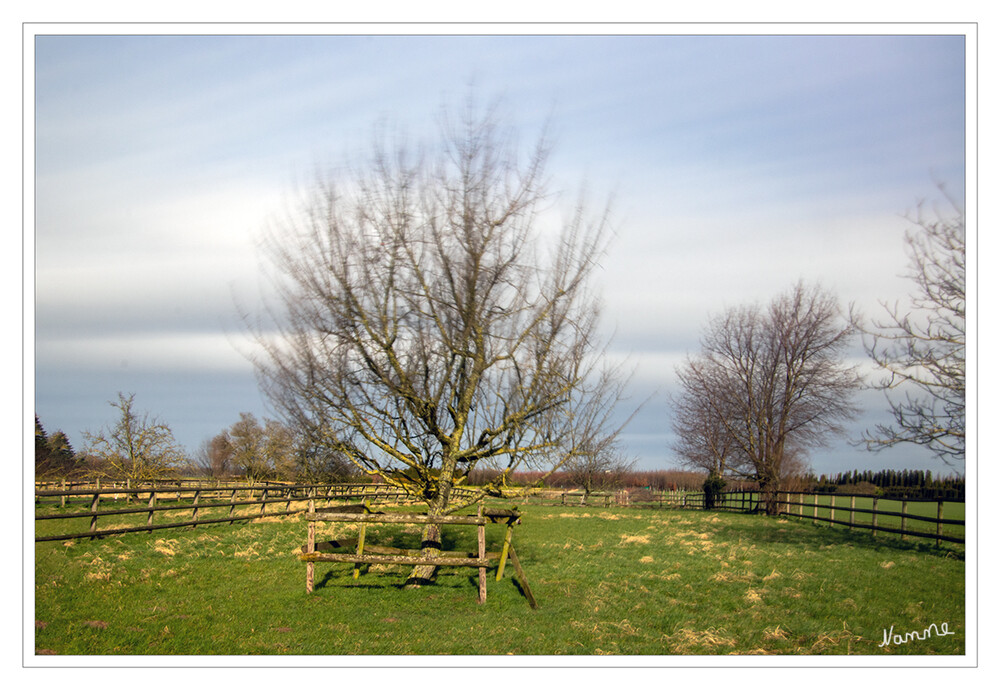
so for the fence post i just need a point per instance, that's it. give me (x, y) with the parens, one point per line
(815, 508)
(902, 521)
(940, 515)
(194, 513)
(833, 503)
(263, 500)
(152, 504)
(93, 509)
(62, 499)
(874, 515)
(851, 518)
(232, 505)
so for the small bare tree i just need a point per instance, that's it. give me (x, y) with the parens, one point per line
(701, 439)
(921, 351)
(136, 447)
(767, 384)
(261, 451)
(429, 320)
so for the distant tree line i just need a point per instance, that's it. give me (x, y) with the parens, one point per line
(892, 484)
(141, 448)
(270, 450)
(656, 480)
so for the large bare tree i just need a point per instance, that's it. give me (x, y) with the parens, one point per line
(921, 350)
(434, 315)
(767, 385)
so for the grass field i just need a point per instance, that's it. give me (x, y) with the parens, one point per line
(608, 581)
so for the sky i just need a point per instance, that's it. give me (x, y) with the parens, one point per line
(738, 165)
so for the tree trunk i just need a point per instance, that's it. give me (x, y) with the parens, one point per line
(769, 492)
(430, 543)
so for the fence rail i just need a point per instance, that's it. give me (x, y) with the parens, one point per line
(855, 511)
(218, 502)
(202, 503)
(844, 509)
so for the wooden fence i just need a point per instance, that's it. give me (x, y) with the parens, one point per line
(859, 511)
(605, 499)
(200, 505)
(944, 519)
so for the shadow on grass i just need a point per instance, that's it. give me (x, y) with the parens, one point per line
(804, 533)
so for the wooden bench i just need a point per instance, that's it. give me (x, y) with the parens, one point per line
(370, 554)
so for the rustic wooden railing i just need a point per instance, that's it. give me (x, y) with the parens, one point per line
(363, 553)
(199, 505)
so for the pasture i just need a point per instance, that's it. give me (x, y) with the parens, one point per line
(608, 581)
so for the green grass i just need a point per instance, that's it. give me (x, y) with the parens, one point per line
(609, 581)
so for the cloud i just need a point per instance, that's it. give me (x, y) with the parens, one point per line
(179, 353)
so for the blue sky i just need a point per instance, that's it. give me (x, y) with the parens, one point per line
(738, 164)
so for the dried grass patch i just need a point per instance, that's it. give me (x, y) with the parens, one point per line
(826, 640)
(635, 539)
(727, 576)
(700, 536)
(684, 640)
(167, 547)
(776, 634)
(102, 570)
(250, 550)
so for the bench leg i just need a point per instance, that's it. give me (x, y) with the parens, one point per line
(503, 553)
(523, 578)
(361, 549)
(482, 554)
(310, 566)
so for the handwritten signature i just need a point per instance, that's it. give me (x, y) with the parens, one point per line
(891, 637)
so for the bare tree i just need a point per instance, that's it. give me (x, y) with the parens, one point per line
(767, 385)
(316, 462)
(261, 451)
(431, 318)
(136, 447)
(921, 351)
(701, 439)
(215, 456)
